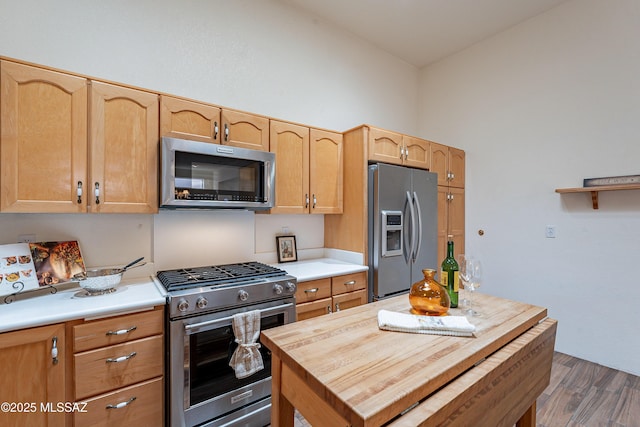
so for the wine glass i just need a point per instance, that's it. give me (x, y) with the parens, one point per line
(463, 273)
(474, 268)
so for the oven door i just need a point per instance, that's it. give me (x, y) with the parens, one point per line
(201, 383)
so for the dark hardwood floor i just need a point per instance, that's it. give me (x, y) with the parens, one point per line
(582, 394)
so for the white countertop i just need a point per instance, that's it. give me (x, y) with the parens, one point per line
(67, 304)
(131, 295)
(319, 268)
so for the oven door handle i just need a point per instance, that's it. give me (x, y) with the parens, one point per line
(216, 323)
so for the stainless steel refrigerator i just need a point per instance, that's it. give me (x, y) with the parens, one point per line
(403, 228)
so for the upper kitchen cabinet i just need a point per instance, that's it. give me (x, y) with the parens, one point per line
(65, 149)
(308, 169)
(123, 150)
(325, 171)
(43, 140)
(448, 163)
(245, 130)
(398, 149)
(180, 118)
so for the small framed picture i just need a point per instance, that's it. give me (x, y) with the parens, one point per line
(287, 251)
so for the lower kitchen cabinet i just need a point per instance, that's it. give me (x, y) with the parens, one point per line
(322, 296)
(136, 405)
(118, 368)
(33, 376)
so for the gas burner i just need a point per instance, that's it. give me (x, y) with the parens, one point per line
(226, 274)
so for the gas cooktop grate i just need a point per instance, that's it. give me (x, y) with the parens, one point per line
(185, 278)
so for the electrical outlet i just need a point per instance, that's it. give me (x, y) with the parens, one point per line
(26, 238)
(550, 232)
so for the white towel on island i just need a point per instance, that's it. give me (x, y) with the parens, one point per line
(246, 360)
(437, 325)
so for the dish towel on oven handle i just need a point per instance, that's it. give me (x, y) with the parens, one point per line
(437, 325)
(246, 360)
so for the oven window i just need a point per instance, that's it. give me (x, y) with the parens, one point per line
(217, 178)
(210, 353)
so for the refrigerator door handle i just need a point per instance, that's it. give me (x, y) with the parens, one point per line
(416, 201)
(412, 233)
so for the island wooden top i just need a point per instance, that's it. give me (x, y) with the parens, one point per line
(370, 376)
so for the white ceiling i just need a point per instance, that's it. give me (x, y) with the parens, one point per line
(424, 31)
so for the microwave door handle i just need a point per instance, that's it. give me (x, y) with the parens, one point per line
(267, 178)
(217, 323)
(416, 201)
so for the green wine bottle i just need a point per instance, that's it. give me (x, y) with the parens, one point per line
(449, 275)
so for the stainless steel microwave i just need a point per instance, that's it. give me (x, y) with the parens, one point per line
(211, 176)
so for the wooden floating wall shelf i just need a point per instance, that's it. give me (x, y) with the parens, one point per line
(594, 190)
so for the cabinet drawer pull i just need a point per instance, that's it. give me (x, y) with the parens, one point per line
(121, 358)
(306, 200)
(315, 201)
(350, 282)
(121, 404)
(121, 331)
(96, 192)
(311, 291)
(337, 307)
(54, 350)
(329, 309)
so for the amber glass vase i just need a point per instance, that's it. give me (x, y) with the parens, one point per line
(428, 297)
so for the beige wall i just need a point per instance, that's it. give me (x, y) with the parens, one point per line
(539, 107)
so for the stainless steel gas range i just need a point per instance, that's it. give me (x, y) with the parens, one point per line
(202, 389)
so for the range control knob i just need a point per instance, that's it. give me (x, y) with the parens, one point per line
(291, 287)
(183, 305)
(201, 303)
(277, 288)
(243, 295)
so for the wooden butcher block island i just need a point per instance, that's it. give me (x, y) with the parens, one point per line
(342, 370)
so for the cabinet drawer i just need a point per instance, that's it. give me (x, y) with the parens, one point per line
(349, 283)
(115, 330)
(104, 369)
(313, 290)
(144, 408)
(308, 310)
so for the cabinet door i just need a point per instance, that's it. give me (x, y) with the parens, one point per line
(245, 130)
(385, 146)
(316, 308)
(326, 171)
(456, 167)
(417, 152)
(290, 143)
(455, 218)
(349, 300)
(30, 375)
(439, 162)
(123, 150)
(43, 139)
(180, 118)
(443, 209)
